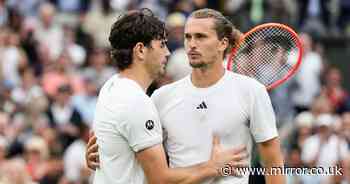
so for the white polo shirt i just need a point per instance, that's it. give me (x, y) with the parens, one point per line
(126, 121)
(236, 108)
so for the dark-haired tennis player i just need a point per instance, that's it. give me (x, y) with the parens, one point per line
(127, 125)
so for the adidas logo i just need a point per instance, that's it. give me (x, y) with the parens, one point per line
(202, 106)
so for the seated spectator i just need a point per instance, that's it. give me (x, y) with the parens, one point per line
(75, 168)
(14, 172)
(333, 89)
(48, 32)
(308, 84)
(293, 160)
(98, 68)
(175, 23)
(324, 149)
(36, 154)
(63, 116)
(304, 123)
(85, 102)
(59, 74)
(28, 90)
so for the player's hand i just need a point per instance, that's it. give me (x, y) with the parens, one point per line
(232, 158)
(91, 156)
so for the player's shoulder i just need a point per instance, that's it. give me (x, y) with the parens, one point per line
(244, 82)
(171, 89)
(122, 90)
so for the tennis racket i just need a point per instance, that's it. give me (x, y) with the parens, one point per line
(271, 53)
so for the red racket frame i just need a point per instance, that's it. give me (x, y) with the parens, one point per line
(230, 62)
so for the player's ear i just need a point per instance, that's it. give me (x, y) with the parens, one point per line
(224, 43)
(139, 50)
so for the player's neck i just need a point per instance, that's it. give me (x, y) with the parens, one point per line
(205, 77)
(139, 76)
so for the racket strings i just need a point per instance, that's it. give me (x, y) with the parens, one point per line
(266, 54)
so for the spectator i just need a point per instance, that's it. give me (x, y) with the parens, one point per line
(304, 124)
(59, 73)
(293, 160)
(314, 16)
(98, 22)
(178, 66)
(28, 90)
(75, 168)
(13, 59)
(324, 149)
(47, 31)
(308, 76)
(333, 89)
(98, 68)
(157, 6)
(6, 103)
(175, 23)
(63, 116)
(281, 11)
(53, 170)
(42, 50)
(14, 172)
(321, 105)
(36, 154)
(85, 103)
(3, 13)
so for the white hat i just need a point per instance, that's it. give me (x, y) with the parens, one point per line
(176, 20)
(304, 119)
(325, 120)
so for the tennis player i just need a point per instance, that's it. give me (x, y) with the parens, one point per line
(214, 100)
(127, 125)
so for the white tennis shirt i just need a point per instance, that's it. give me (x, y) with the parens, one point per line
(126, 121)
(236, 108)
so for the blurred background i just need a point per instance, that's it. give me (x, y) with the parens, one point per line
(54, 58)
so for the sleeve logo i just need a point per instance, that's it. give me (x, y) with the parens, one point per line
(149, 124)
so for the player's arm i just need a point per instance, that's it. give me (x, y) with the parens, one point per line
(271, 154)
(154, 164)
(157, 171)
(264, 130)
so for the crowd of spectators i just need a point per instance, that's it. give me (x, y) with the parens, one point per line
(54, 58)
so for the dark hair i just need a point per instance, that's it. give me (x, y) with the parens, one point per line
(131, 28)
(223, 27)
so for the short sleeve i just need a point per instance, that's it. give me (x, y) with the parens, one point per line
(262, 116)
(141, 126)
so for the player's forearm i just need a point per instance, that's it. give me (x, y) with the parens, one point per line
(190, 175)
(154, 165)
(275, 161)
(271, 155)
(275, 179)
